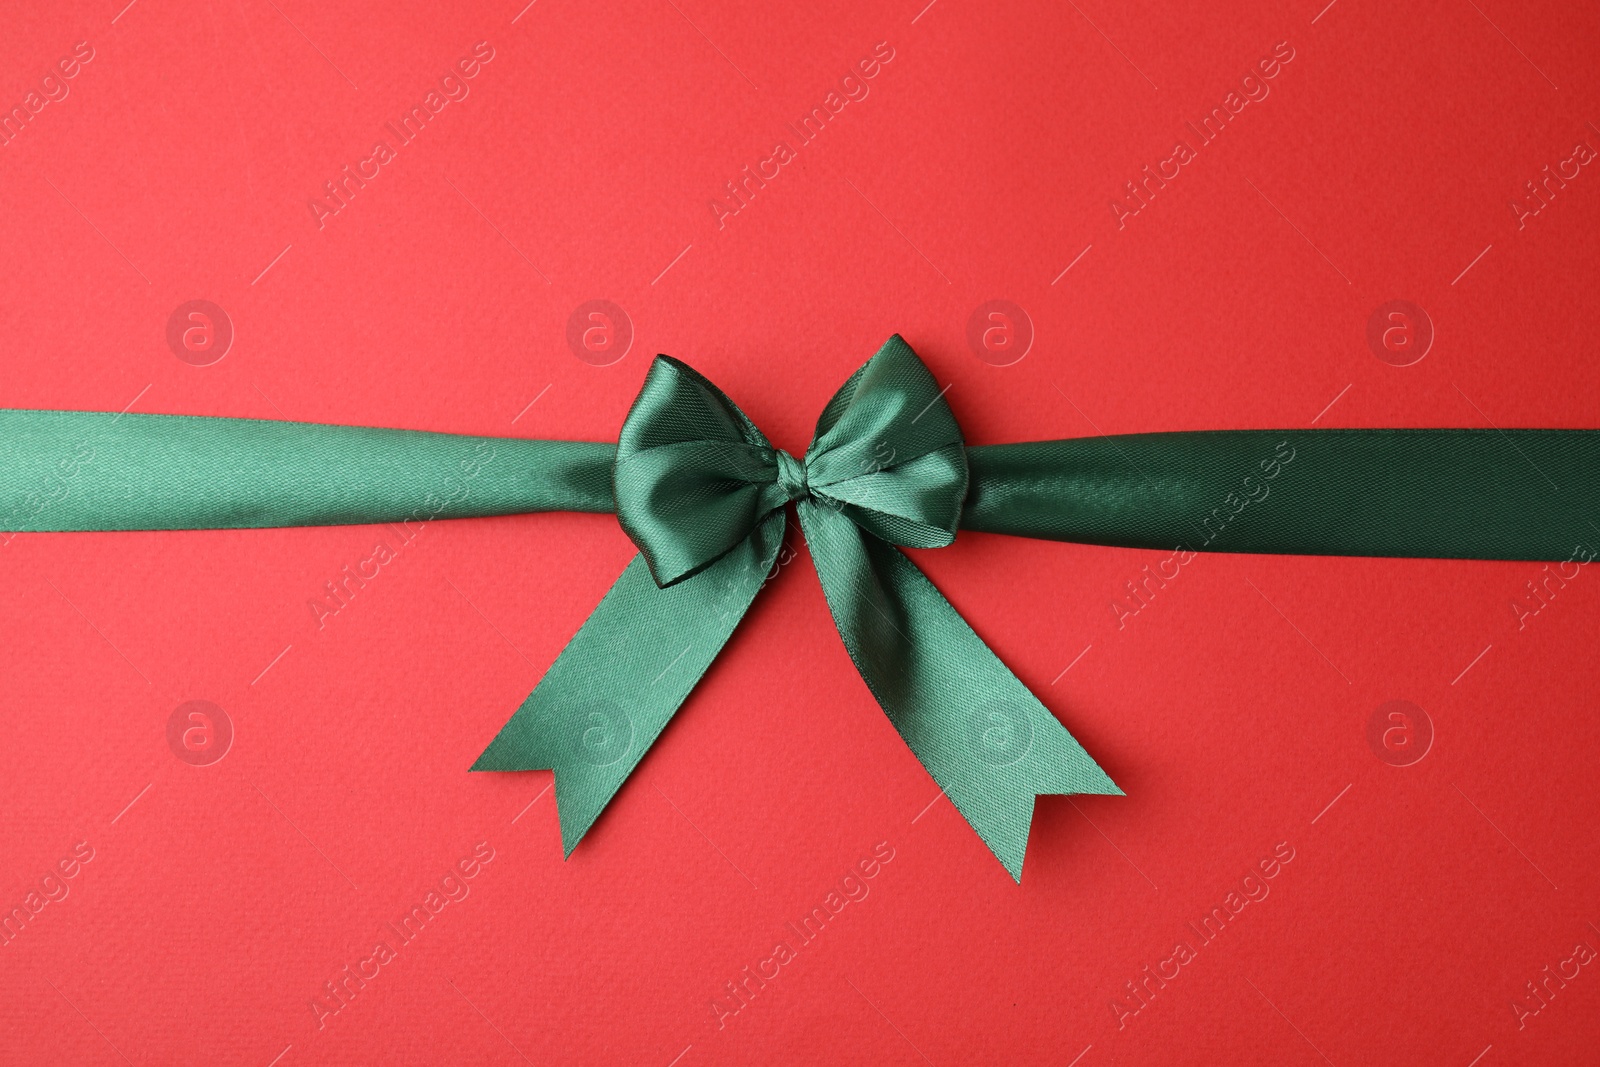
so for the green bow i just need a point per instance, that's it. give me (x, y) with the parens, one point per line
(702, 493)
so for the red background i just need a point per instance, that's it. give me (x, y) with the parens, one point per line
(1233, 708)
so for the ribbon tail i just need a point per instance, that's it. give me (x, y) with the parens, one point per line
(611, 692)
(986, 740)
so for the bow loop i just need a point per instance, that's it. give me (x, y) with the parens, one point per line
(693, 475)
(888, 454)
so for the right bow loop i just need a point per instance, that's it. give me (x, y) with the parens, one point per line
(888, 453)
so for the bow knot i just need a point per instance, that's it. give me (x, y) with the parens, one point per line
(792, 477)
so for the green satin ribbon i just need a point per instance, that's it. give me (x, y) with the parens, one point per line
(704, 495)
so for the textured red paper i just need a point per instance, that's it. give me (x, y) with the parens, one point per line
(216, 905)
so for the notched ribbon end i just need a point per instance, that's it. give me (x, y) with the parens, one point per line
(507, 757)
(1009, 844)
(1000, 804)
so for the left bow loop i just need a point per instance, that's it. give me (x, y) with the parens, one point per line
(693, 475)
